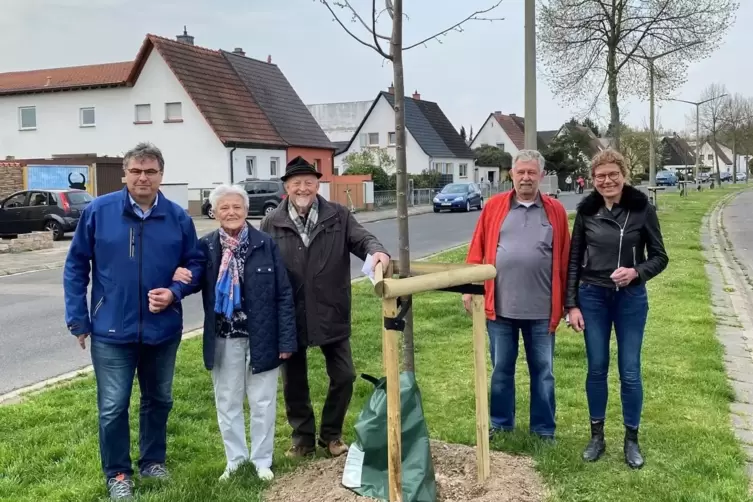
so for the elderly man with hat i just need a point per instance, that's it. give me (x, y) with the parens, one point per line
(316, 238)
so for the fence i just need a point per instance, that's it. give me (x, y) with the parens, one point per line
(385, 199)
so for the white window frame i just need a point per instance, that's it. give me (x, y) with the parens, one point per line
(274, 167)
(449, 168)
(251, 173)
(81, 111)
(179, 118)
(143, 106)
(363, 140)
(21, 110)
(373, 143)
(463, 170)
(391, 138)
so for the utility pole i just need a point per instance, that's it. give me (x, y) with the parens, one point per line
(530, 141)
(697, 105)
(651, 74)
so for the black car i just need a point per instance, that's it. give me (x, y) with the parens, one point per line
(263, 197)
(57, 211)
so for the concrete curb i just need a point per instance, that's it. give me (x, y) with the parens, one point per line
(16, 396)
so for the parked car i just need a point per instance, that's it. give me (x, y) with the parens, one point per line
(725, 176)
(742, 176)
(704, 177)
(666, 178)
(57, 211)
(459, 196)
(263, 197)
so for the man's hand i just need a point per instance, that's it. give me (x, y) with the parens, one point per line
(468, 303)
(285, 355)
(575, 318)
(380, 258)
(82, 340)
(624, 276)
(159, 300)
(182, 275)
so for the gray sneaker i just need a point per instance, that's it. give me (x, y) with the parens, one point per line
(155, 471)
(120, 487)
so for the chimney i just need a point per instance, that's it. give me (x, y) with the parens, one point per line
(269, 59)
(416, 95)
(513, 115)
(391, 88)
(239, 51)
(498, 112)
(185, 38)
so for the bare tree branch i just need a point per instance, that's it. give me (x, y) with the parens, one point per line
(352, 35)
(458, 26)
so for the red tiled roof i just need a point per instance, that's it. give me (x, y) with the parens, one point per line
(75, 77)
(217, 92)
(512, 128)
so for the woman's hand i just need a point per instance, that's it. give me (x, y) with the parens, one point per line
(285, 355)
(182, 275)
(624, 276)
(576, 319)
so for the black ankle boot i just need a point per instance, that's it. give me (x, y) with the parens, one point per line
(633, 456)
(596, 446)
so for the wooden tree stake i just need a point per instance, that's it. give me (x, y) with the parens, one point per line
(482, 399)
(394, 426)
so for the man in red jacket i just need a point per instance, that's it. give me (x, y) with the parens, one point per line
(526, 235)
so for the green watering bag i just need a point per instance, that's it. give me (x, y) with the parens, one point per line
(366, 465)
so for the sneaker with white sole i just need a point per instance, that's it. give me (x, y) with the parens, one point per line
(265, 474)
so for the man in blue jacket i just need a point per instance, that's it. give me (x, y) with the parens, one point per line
(131, 242)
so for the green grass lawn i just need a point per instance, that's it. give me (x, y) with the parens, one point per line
(49, 452)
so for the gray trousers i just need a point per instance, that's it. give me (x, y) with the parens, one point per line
(339, 362)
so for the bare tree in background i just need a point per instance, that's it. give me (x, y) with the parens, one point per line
(734, 118)
(712, 120)
(589, 46)
(374, 40)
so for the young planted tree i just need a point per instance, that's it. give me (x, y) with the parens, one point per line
(712, 119)
(734, 118)
(374, 40)
(589, 46)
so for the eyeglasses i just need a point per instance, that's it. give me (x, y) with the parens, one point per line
(150, 173)
(614, 176)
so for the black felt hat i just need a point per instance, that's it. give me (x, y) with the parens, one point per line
(299, 165)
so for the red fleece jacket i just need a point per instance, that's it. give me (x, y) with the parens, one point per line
(483, 249)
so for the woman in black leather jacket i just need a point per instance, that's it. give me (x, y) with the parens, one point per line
(616, 248)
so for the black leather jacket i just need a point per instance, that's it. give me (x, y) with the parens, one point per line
(627, 236)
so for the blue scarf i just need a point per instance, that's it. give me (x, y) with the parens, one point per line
(227, 291)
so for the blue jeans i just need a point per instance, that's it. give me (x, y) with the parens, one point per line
(627, 310)
(114, 369)
(539, 347)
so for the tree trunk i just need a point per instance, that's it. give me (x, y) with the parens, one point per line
(717, 174)
(614, 107)
(402, 176)
(734, 159)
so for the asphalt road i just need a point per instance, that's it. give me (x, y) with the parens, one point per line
(36, 345)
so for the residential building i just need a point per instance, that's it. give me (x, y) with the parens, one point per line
(676, 154)
(217, 116)
(506, 132)
(709, 153)
(432, 142)
(339, 121)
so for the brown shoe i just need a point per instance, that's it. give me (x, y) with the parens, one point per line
(300, 451)
(335, 447)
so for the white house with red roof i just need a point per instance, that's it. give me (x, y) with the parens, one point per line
(217, 116)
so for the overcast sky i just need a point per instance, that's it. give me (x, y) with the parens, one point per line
(470, 74)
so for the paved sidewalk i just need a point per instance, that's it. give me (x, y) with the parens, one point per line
(727, 238)
(32, 261)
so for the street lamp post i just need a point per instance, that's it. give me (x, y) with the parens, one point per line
(652, 139)
(530, 136)
(697, 105)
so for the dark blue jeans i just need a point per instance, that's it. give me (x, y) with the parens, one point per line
(539, 347)
(627, 310)
(114, 368)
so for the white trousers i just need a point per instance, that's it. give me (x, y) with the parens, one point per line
(233, 381)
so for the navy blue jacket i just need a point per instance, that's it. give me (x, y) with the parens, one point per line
(267, 296)
(127, 257)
